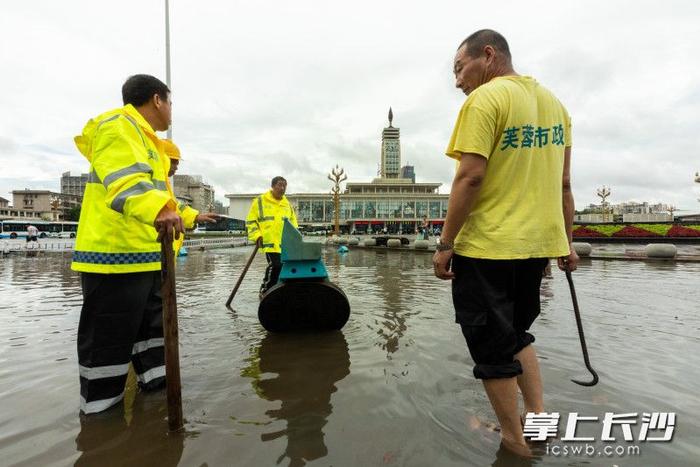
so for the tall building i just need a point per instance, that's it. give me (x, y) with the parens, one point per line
(391, 202)
(408, 171)
(191, 190)
(391, 150)
(73, 184)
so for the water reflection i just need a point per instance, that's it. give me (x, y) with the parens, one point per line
(307, 366)
(137, 436)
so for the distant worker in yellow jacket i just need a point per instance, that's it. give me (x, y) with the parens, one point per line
(190, 216)
(126, 210)
(264, 224)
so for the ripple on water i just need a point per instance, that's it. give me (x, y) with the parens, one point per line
(395, 387)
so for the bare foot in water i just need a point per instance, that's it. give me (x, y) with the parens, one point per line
(522, 450)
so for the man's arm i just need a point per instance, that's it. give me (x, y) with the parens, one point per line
(571, 260)
(465, 188)
(251, 223)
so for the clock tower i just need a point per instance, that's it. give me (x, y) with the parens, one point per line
(391, 150)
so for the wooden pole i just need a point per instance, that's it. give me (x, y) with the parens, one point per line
(170, 334)
(240, 279)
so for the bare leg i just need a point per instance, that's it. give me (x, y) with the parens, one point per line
(503, 395)
(530, 381)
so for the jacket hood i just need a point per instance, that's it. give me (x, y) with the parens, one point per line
(84, 140)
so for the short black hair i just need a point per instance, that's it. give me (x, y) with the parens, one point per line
(477, 41)
(139, 89)
(278, 179)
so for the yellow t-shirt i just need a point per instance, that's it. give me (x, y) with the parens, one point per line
(522, 129)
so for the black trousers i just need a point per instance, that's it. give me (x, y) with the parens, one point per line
(272, 273)
(121, 321)
(496, 302)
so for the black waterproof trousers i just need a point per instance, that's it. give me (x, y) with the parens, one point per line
(121, 321)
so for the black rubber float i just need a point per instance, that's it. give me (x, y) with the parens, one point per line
(298, 306)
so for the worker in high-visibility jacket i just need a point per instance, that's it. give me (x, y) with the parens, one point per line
(190, 216)
(126, 210)
(264, 224)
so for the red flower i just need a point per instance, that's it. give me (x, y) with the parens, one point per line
(680, 231)
(585, 232)
(632, 231)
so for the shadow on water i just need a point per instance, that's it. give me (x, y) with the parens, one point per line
(307, 368)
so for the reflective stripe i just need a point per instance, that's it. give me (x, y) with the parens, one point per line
(250, 222)
(96, 257)
(160, 185)
(267, 218)
(260, 209)
(100, 372)
(137, 168)
(149, 344)
(268, 245)
(113, 117)
(153, 373)
(138, 189)
(100, 405)
(252, 229)
(93, 178)
(181, 206)
(138, 130)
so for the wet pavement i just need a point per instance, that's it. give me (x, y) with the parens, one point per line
(394, 387)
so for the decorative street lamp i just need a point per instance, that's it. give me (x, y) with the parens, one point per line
(55, 205)
(337, 176)
(603, 193)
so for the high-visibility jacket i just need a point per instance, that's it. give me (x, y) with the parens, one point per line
(187, 213)
(266, 219)
(126, 190)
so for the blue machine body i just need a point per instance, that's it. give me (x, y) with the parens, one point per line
(300, 260)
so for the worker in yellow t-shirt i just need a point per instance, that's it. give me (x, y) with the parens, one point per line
(512, 144)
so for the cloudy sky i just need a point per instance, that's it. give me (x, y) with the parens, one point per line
(294, 88)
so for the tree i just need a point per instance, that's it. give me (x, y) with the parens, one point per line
(73, 214)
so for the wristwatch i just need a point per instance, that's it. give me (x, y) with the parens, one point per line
(441, 245)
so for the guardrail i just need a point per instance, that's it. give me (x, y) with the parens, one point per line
(53, 246)
(58, 246)
(206, 243)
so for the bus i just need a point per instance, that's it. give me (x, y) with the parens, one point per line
(224, 224)
(14, 228)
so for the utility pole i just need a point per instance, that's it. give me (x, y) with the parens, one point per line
(167, 56)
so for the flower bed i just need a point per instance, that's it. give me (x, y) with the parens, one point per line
(636, 231)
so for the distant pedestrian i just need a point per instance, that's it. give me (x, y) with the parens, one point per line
(32, 234)
(504, 223)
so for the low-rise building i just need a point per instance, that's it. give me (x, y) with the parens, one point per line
(48, 204)
(389, 203)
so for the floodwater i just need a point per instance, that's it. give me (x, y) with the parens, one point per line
(394, 387)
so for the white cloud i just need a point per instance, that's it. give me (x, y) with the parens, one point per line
(263, 88)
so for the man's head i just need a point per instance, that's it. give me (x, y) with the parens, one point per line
(151, 97)
(173, 153)
(481, 57)
(279, 187)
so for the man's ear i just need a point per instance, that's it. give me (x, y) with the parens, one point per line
(157, 101)
(489, 53)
